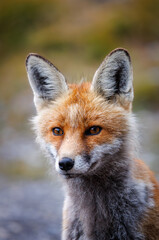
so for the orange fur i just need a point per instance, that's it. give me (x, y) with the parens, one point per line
(107, 156)
(74, 118)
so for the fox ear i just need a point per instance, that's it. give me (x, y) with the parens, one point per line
(113, 79)
(45, 79)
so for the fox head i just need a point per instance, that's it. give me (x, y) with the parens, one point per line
(83, 128)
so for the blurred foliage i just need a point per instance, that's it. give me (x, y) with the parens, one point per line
(79, 34)
(138, 20)
(20, 169)
(17, 18)
(68, 25)
(147, 96)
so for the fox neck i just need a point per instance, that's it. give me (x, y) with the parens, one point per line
(106, 202)
(114, 171)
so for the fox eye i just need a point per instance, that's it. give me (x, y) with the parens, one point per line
(57, 131)
(94, 130)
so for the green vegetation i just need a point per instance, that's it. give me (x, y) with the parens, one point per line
(71, 30)
(20, 169)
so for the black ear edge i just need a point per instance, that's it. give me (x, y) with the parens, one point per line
(120, 50)
(40, 57)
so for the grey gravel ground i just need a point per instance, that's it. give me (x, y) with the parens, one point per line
(30, 210)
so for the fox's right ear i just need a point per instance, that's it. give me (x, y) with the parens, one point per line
(114, 78)
(45, 79)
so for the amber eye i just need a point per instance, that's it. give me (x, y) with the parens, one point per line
(94, 130)
(57, 131)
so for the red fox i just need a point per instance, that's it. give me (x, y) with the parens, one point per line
(89, 132)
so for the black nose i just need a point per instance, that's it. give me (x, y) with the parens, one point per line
(66, 164)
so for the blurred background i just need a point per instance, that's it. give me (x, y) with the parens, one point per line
(75, 36)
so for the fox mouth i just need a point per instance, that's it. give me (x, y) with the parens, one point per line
(67, 175)
(71, 175)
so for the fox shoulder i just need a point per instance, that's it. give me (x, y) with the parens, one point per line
(142, 174)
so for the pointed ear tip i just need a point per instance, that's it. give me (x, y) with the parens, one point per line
(38, 58)
(123, 50)
(31, 55)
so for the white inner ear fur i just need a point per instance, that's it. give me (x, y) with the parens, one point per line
(46, 81)
(114, 76)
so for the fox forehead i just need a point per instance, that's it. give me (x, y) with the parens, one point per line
(81, 108)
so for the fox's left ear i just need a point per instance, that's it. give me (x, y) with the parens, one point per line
(113, 79)
(46, 81)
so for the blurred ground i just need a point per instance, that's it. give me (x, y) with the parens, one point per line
(30, 210)
(75, 36)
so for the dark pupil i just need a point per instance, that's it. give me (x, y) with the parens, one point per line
(57, 131)
(94, 129)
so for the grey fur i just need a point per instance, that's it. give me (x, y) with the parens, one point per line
(109, 204)
(114, 76)
(103, 199)
(45, 79)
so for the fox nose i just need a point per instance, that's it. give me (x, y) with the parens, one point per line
(66, 164)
